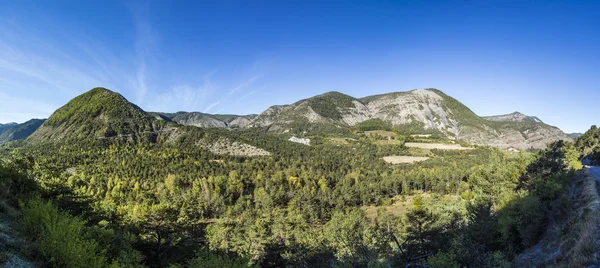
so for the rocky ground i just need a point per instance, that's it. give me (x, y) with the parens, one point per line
(12, 247)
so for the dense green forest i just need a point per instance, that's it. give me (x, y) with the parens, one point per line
(127, 203)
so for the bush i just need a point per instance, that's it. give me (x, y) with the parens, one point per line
(443, 260)
(522, 222)
(207, 259)
(63, 240)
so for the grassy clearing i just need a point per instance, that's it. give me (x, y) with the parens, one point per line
(388, 142)
(400, 205)
(397, 159)
(421, 135)
(340, 141)
(440, 146)
(382, 133)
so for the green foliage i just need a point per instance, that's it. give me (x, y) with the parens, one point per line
(558, 157)
(353, 239)
(328, 104)
(301, 206)
(521, 223)
(96, 113)
(443, 260)
(207, 259)
(588, 144)
(14, 179)
(373, 124)
(63, 240)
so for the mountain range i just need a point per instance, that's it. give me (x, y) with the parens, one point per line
(416, 111)
(198, 119)
(101, 113)
(14, 131)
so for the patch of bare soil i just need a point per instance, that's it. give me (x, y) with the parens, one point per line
(397, 159)
(440, 146)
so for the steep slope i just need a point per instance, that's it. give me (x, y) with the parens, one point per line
(327, 112)
(521, 131)
(236, 121)
(106, 116)
(422, 110)
(194, 119)
(427, 108)
(20, 131)
(3, 127)
(206, 120)
(514, 117)
(98, 113)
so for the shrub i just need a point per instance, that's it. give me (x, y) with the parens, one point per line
(63, 240)
(443, 260)
(522, 222)
(207, 259)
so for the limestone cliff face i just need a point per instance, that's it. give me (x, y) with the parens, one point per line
(206, 120)
(199, 120)
(427, 109)
(535, 137)
(514, 117)
(424, 107)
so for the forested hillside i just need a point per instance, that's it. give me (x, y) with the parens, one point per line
(19, 131)
(90, 181)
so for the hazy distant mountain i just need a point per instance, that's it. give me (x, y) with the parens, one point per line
(514, 117)
(206, 120)
(236, 120)
(192, 119)
(16, 131)
(574, 135)
(3, 127)
(425, 110)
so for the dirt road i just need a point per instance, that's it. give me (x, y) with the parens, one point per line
(594, 171)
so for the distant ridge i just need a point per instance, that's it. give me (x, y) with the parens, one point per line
(416, 111)
(514, 117)
(206, 120)
(15, 132)
(101, 113)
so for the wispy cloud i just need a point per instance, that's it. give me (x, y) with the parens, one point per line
(247, 95)
(211, 106)
(146, 49)
(244, 84)
(37, 65)
(184, 97)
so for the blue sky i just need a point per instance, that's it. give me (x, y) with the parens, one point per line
(537, 57)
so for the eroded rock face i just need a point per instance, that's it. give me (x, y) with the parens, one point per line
(199, 120)
(268, 117)
(417, 106)
(240, 122)
(300, 140)
(514, 117)
(226, 147)
(535, 138)
(427, 108)
(357, 114)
